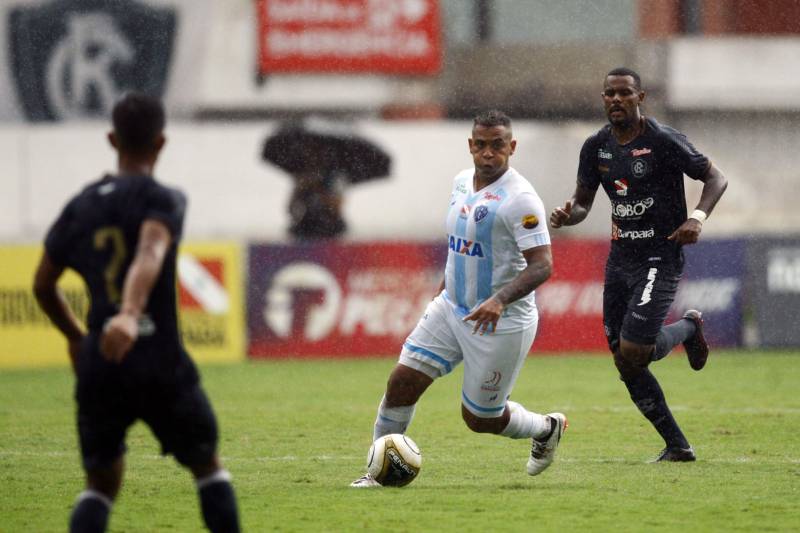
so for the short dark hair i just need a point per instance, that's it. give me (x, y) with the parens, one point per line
(491, 118)
(623, 71)
(138, 120)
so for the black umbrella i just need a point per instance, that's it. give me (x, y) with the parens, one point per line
(327, 150)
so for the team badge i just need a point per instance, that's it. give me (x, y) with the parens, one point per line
(465, 209)
(639, 168)
(621, 187)
(480, 212)
(75, 59)
(530, 221)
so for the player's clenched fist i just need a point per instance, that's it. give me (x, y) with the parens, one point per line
(560, 215)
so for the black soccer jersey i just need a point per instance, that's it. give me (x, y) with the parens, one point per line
(644, 181)
(97, 235)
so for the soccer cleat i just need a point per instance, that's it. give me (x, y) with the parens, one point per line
(676, 455)
(543, 451)
(696, 345)
(365, 482)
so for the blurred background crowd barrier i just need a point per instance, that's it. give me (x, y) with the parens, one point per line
(406, 75)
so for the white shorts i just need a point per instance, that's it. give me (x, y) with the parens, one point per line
(441, 340)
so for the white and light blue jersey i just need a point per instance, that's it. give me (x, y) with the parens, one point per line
(486, 233)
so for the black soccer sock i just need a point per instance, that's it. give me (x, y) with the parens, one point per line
(90, 514)
(646, 393)
(218, 503)
(672, 335)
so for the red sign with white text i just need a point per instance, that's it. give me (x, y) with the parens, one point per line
(378, 36)
(341, 300)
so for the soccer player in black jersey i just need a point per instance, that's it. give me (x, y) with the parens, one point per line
(121, 235)
(640, 164)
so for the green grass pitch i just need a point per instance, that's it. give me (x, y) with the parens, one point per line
(295, 433)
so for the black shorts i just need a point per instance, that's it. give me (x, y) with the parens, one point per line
(112, 397)
(637, 296)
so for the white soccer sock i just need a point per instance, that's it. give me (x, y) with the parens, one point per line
(392, 419)
(220, 476)
(523, 424)
(96, 495)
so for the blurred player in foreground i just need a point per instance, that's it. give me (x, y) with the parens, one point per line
(121, 235)
(640, 164)
(485, 313)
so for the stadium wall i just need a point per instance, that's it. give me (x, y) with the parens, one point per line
(235, 195)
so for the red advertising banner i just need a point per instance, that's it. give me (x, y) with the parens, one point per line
(381, 36)
(335, 300)
(571, 302)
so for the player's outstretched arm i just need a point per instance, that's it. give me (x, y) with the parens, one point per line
(540, 266)
(52, 302)
(575, 209)
(122, 329)
(714, 185)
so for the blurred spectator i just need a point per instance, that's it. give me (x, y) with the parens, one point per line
(322, 158)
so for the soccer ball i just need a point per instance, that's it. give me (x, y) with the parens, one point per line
(394, 460)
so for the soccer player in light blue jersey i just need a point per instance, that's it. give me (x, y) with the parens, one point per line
(485, 312)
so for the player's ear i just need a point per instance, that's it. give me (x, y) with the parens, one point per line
(513, 146)
(112, 140)
(641, 96)
(161, 140)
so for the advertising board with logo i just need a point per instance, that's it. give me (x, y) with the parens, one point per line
(774, 266)
(74, 59)
(210, 300)
(713, 282)
(381, 36)
(338, 299)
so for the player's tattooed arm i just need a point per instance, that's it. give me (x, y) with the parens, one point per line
(714, 185)
(52, 302)
(575, 209)
(540, 266)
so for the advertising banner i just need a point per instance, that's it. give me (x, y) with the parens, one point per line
(571, 302)
(774, 266)
(713, 282)
(338, 299)
(381, 36)
(210, 300)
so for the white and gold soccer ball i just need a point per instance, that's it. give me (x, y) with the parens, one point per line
(394, 460)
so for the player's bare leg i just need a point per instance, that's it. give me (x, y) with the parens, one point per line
(396, 410)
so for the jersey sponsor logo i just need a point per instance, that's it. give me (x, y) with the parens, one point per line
(530, 221)
(490, 196)
(631, 209)
(639, 168)
(648, 287)
(86, 54)
(465, 209)
(633, 235)
(465, 247)
(621, 186)
(602, 154)
(636, 152)
(461, 188)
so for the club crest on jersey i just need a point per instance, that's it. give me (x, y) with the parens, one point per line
(465, 209)
(639, 168)
(480, 213)
(621, 187)
(530, 221)
(465, 247)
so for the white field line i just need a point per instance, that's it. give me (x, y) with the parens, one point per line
(351, 458)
